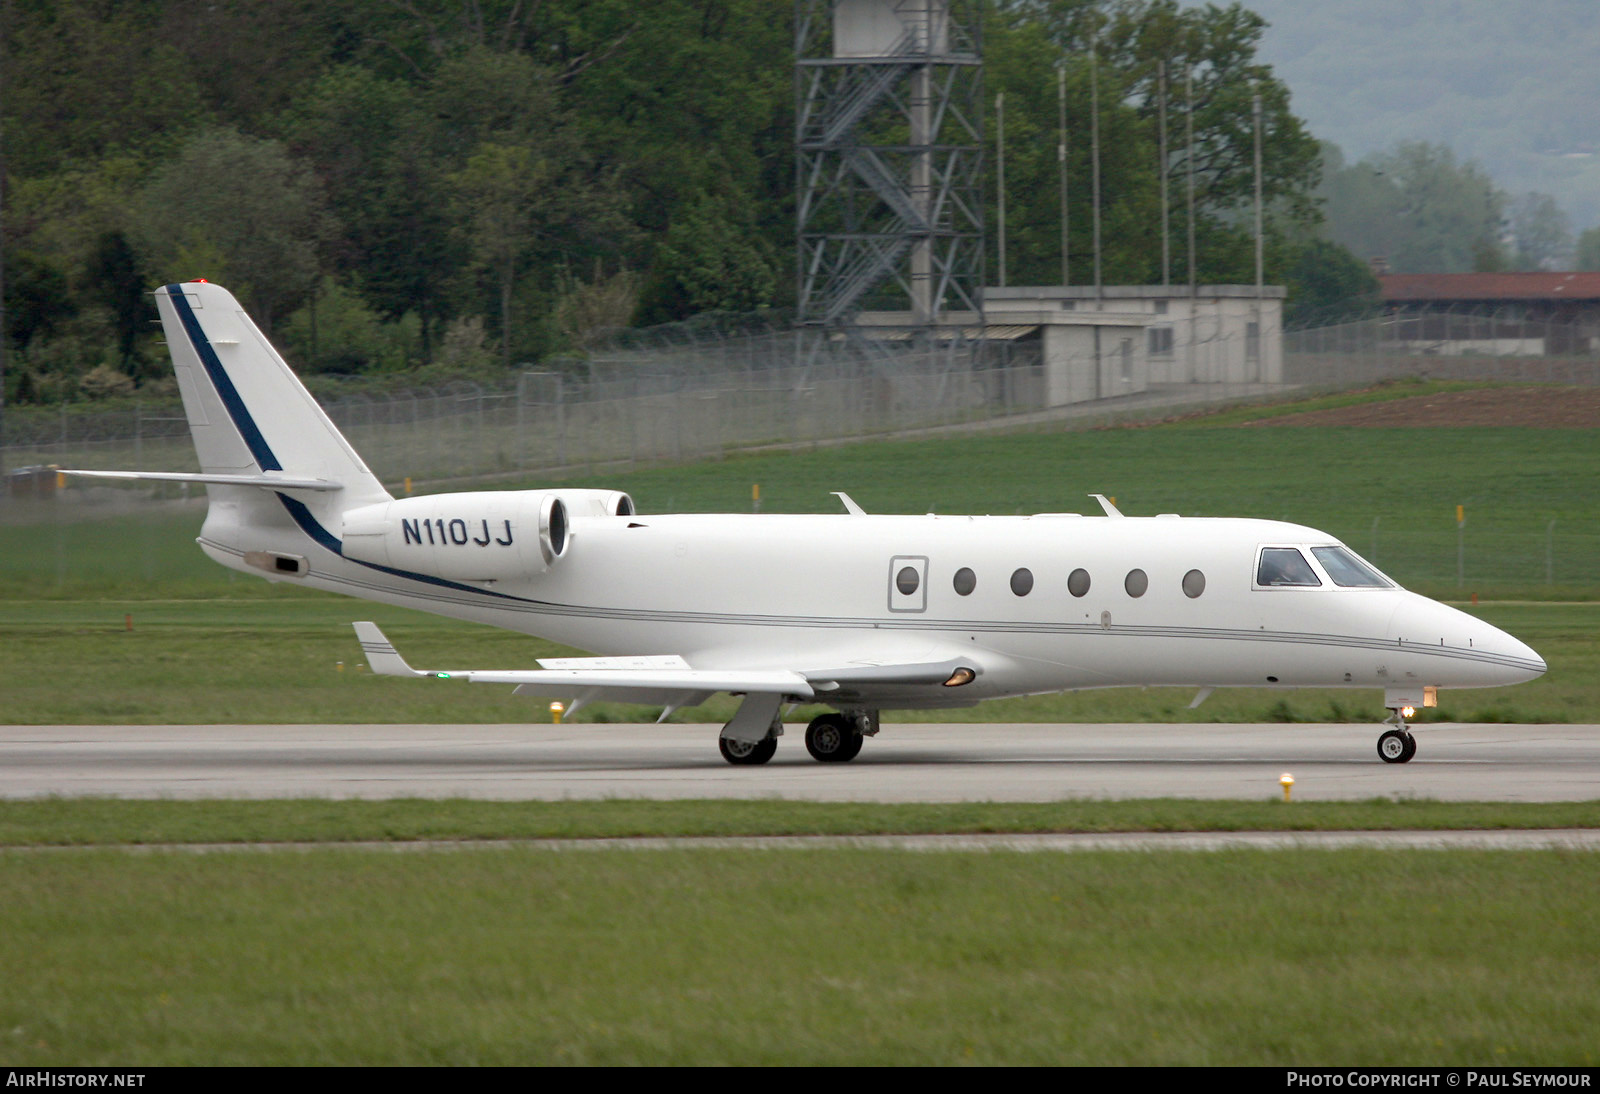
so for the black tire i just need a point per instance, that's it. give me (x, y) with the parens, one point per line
(1396, 746)
(744, 753)
(832, 739)
(853, 748)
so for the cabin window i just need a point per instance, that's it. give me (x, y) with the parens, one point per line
(1078, 582)
(1347, 570)
(906, 580)
(1022, 581)
(1284, 567)
(1136, 583)
(965, 581)
(1194, 583)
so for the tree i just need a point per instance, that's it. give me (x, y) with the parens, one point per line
(1588, 256)
(1328, 284)
(243, 202)
(114, 281)
(1542, 233)
(1418, 206)
(1132, 42)
(710, 260)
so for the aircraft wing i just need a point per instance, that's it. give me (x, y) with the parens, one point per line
(671, 682)
(653, 674)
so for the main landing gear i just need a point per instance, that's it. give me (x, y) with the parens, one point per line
(835, 738)
(830, 738)
(747, 752)
(1396, 746)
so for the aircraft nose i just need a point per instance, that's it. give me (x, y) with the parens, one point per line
(1483, 654)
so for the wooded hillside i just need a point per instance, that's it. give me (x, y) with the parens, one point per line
(472, 184)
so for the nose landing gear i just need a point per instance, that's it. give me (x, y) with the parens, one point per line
(1396, 746)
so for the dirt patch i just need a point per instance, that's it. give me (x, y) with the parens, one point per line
(1546, 407)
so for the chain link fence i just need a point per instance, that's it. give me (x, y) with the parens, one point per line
(698, 390)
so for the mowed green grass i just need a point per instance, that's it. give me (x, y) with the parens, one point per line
(1395, 490)
(82, 822)
(524, 956)
(296, 660)
(211, 645)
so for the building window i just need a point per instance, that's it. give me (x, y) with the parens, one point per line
(1252, 341)
(1160, 341)
(1161, 307)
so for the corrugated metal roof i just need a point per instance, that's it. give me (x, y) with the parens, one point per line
(1537, 285)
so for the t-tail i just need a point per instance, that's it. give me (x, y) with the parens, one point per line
(276, 469)
(290, 498)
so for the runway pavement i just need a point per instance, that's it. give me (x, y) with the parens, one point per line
(906, 762)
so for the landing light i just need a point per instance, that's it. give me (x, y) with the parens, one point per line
(959, 677)
(1408, 712)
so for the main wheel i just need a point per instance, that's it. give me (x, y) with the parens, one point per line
(747, 752)
(1396, 746)
(832, 739)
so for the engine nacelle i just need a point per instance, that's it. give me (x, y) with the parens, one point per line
(495, 535)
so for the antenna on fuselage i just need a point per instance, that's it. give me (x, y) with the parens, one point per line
(1105, 503)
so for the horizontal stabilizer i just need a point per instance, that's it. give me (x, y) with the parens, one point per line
(267, 482)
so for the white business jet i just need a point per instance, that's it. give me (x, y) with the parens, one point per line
(852, 611)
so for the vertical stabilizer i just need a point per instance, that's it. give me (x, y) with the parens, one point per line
(249, 414)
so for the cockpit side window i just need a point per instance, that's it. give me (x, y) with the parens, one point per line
(1347, 569)
(1284, 566)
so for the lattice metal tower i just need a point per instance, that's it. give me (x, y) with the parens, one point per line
(889, 135)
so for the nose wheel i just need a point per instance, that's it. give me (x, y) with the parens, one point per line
(1396, 745)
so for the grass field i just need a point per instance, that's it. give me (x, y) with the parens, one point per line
(510, 955)
(1389, 493)
(296, 659)
(518, 956)
(210, 645)
(65, 822)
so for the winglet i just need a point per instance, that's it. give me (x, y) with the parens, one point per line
(850, 505)
(384, 659)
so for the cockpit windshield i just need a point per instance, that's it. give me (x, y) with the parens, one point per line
(1347, 570)
(1284, 566)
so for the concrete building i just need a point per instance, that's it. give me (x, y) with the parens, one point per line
(1122, 339)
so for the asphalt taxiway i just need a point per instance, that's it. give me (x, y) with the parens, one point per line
(906, 762)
